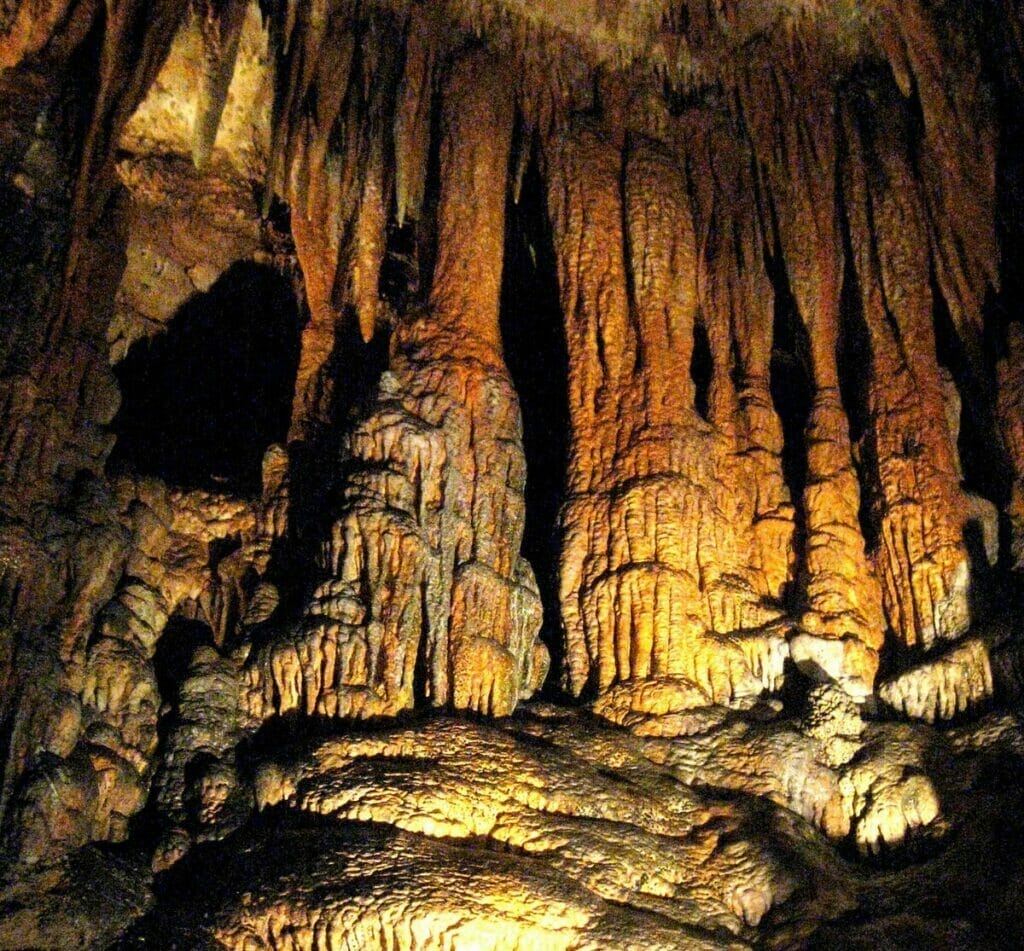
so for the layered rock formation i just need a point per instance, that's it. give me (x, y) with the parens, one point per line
(263, 473)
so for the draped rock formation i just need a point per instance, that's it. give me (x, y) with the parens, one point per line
(303, 301)
(655, 583)
(423, 572)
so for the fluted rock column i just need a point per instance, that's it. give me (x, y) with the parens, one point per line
(917, 502)
(842, 627)
(655, 576)
(425, 592)
(738, 303)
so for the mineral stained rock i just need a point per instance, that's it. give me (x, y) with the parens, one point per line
(273, 632)
(658, 566)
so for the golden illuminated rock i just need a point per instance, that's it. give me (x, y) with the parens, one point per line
(423, 567)
(369, 370)
(658, 567)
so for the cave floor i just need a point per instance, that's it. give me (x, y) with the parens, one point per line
(551, 829)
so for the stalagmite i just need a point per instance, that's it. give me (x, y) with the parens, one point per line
(422, 567)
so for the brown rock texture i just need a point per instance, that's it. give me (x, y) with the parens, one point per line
(659, 576)
(918, 506)
(422, 567)
(675, 346)
(1011, 418)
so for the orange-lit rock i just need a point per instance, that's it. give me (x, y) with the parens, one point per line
(422, 568)
(918, 507)
(744, 275)
(659, 572)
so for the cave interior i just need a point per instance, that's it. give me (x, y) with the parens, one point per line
(489, 474)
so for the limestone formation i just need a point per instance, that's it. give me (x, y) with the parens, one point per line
(922, 560)
(1011, 417)
(658, 567)
(503, 475)
(422, 567)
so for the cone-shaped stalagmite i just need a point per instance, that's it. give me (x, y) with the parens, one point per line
(424, 576)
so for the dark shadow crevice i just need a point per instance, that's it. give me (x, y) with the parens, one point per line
(202, 402)
(535, 353)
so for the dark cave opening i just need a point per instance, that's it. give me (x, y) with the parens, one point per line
(535, 353)
(791, 386)
(701, 369)
(203, 401)
(180, 639)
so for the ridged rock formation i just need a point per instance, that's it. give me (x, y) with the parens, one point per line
(655, 583)
(423, 572)
(371, 371)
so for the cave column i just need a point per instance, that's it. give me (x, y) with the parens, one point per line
(644, 587)
(842, 627)
(918, 504)
(425, 592)
(737, 303)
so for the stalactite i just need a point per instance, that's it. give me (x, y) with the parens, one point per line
(136, 38)
(413, 116)
(919, 507)
(318, 168)
(422, 567)
(958, 166)
(221, 23)
(60, 393)
(334, 99)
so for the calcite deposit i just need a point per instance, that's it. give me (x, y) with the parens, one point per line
(500, 475)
